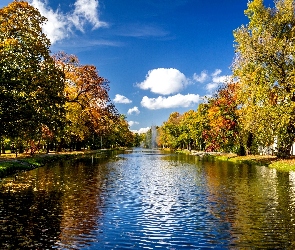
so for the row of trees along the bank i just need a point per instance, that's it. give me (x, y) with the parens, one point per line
(257, 106)
(47, 100)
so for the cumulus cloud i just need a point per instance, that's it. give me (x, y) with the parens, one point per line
(164, 81)
(175, 101)
(141, 130)
(86, 11)
(131, 123)
(121, 99)
(59, 25)
(56, 27)
(133, 110)
(216, 72)
(202, 77)
(212, 86)
(217, 79)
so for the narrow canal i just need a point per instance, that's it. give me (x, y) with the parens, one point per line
(148, 200)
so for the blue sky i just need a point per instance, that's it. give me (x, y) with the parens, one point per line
(159, 56)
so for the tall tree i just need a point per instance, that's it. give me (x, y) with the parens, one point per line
(170, 131)
(31, 87)
(119, 133)
(189, 129)
(89, 109)
(265, 68)
(223, 132)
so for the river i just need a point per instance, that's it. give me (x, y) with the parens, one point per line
(141, 199)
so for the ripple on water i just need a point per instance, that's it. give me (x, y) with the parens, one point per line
(145, 200)
(157, 205)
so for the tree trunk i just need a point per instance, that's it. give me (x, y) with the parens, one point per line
(241, 150)
(284, 149)
(249, 144)
(285, 142)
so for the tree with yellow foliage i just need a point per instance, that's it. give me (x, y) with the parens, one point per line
(265, 68)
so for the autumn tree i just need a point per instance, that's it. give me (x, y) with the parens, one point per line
(31, 87)
(265, 67)
(223, 130)
(89, 109)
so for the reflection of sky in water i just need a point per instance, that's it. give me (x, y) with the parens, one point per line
(159, 203)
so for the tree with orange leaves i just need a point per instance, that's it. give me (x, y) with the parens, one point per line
(223, 133)
(89, 109)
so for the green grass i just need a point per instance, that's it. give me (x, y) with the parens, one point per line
(284, 165)
(10, 165)
(264, 160)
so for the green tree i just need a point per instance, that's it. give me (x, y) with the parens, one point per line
(137, 139)
(185, 131)
(265, 67)
(202, 123)
(170, 131)
(31, 87)
(119, 133)
(189, 126)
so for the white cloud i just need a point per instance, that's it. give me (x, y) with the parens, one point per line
(142, 30)
(202, 77)
(133, 110)
(121, 99)
(164, 81)
(56, 28)
(217, 79)
(86, 11)
(211, 86)
(216, 72)
(141, 130)
(59, 25)
(131, 123)
(170, 102)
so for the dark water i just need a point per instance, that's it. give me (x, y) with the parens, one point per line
(148, 200)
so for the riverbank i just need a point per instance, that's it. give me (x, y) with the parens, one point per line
(10, 164)
(262, 160)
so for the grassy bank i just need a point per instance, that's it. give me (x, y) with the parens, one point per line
(9, 164)
(261, 160)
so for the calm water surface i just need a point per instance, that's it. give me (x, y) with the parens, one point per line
(148, 200)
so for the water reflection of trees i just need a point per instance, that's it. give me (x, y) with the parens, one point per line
(29, 219)
(46, 208)
(81, 204)
(258, 203)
